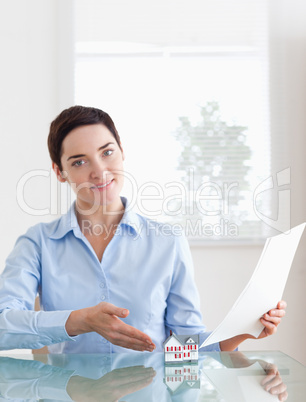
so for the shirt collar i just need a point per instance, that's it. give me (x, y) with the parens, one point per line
(69, 222)
(130, 218)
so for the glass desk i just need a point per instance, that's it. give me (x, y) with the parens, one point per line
(230, 377)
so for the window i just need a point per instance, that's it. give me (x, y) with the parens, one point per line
(190, 100)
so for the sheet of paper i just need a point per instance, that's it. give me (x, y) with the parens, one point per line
(264, 289)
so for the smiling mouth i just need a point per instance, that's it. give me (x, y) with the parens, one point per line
(102, 185)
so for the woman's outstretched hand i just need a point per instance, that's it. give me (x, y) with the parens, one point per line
(105, 319)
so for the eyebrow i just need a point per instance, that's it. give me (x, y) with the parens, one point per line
(81, 155)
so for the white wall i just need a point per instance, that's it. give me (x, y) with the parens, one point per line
(36, 82)
(35, 85)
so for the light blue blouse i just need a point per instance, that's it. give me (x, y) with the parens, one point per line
(145, 268)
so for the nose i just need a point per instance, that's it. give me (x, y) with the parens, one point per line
(99, 171)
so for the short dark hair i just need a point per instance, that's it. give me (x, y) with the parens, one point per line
(72, 118)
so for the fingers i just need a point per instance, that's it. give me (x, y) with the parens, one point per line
(282, 304)
(128, 375)
(133, 380)
(275, 385)
(277, 313)
(131, 343)
(137, 385)
(127, 330)
(270, 327)
(273, 318)
(122, 328)
(109, 308)
(129, 337)
(109, 325)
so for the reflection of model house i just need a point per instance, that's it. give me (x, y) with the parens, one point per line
(181, 377)
(181, 348)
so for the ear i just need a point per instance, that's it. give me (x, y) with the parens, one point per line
(61, 176)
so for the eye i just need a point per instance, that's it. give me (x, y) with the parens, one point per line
(78, 163)
(108, 152)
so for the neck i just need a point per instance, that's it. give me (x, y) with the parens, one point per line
(105, 216)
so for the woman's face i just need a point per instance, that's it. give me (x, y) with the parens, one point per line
(93, 165)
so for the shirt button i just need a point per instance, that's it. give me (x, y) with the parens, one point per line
(104, 340)
(102, 285)
(102, 297)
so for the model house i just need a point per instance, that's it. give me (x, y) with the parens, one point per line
(181, 348)
(181, 377)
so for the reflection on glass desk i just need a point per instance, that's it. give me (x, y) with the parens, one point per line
(230, 377)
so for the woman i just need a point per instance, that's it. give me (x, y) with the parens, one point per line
(107, 277)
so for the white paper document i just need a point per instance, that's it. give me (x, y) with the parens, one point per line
(264, 289)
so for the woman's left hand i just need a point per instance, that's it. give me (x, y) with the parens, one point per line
(272, 319)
